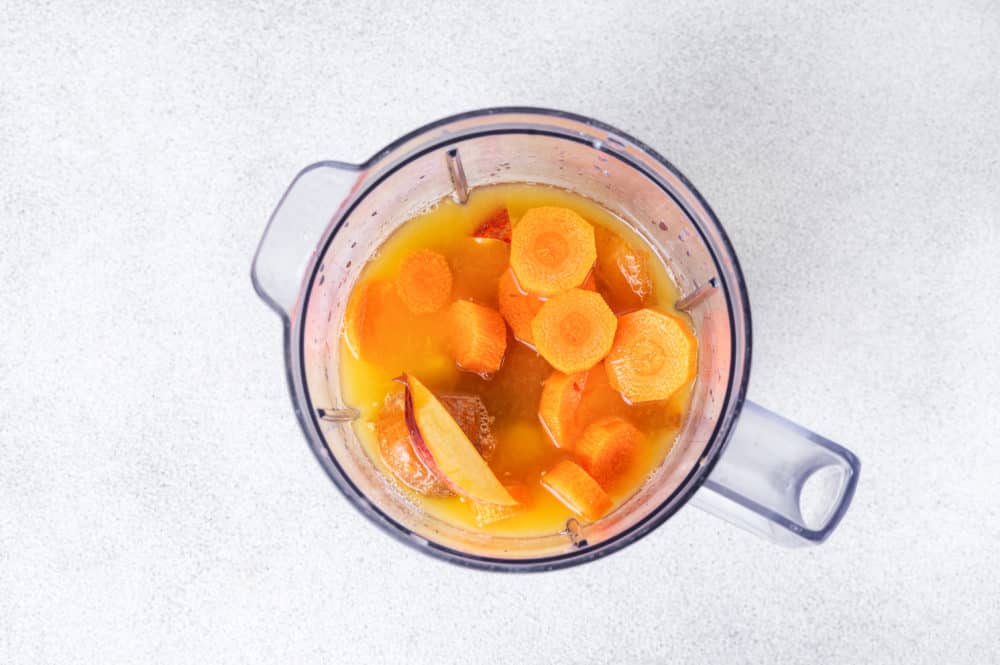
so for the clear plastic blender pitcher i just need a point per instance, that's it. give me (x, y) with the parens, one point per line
(732, 458)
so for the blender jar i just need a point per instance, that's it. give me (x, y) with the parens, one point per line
(732, 458)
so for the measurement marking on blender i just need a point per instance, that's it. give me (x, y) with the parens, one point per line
(457, 176)
(699, 295)
(338, 415)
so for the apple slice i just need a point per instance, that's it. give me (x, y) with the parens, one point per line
(444, 448)
(395, 447)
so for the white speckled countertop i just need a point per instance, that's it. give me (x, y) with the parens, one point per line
(157, 501)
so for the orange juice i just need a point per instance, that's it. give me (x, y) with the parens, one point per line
(401, 320)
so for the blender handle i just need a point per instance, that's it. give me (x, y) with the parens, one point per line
(779, 480)
(295, 229)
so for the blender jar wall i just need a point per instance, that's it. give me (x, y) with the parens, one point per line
(400, 186)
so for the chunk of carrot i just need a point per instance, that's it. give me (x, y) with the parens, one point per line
(589, 284)
(396, 449)
(574, 330)
(518, 308)
(607, 448)
(370, 304)
(557, 409)
(577, 490)
(424, 282)
(653, 356)
(552, 249)
(622, 272)
(478, 337)
(496, 226)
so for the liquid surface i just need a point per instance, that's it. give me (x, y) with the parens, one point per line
(417, 344)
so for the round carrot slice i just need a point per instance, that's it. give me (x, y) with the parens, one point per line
(368, 302)
(654, 355)
(424, 281)
(551, 250)
(574, 330)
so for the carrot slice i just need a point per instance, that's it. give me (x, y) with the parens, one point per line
(396, 450)
(577, 490)
(561, 395)
(607, 448)
(496, 226)
(551, 250)
(357, 316)
(478, 337)
(574, 330)
(370, 303)
(654, 355)
(622, 272)
(424, 281)
(518, 308)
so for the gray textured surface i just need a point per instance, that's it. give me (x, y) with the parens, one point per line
(157, 503)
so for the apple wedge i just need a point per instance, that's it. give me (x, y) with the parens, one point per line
(443, 447)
